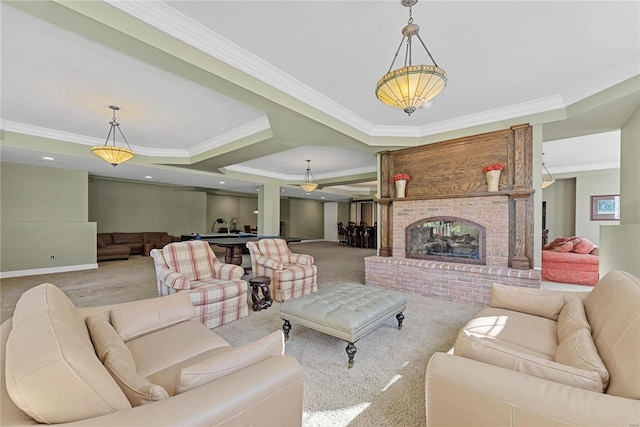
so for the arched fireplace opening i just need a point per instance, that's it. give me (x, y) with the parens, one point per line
(447, 239)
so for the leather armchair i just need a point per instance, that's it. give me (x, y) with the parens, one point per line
(541, 357)
(140, 363)
(216, 289)
(292, 275)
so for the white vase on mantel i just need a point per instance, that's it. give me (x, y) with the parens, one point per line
(401, 185)
(493, 180)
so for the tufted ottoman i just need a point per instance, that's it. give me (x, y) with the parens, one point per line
(347, 312)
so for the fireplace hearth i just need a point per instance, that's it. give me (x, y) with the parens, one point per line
(449, 239)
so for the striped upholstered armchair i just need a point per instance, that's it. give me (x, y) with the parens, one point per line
(216, 289)
(292, 275)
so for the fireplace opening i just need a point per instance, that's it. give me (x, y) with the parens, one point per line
(448, 239)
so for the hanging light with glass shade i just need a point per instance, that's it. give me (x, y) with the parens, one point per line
(112, 153)
(309, 183)
(411, 86)
(547, 180)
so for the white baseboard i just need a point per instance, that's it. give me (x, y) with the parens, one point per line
(36, 271)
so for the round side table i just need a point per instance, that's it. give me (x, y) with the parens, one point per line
(260, 283)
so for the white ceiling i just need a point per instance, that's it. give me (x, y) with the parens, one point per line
(245, 91)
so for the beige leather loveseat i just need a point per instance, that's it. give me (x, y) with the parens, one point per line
(138, 364)
(536, 357)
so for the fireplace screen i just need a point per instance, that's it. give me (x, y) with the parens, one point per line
(448, 239)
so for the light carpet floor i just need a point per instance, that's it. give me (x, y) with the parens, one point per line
(385, 387)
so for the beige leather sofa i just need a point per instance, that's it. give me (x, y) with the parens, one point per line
(536, 357)
(138, 364)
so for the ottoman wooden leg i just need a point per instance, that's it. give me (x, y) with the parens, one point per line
(351, 352)
(286, 328)
(400, 318)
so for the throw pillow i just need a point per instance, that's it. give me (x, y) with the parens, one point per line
(563, 247)
(103, 336)
(142, 317)
(572, 317)
(138, 390)
(582, 246)
(579, 350)
(274, 248)
(118, 360)
(491, 352)
(526, 300)
(558, 241)
(228, 362)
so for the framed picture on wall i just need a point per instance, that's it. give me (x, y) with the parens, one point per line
(605, 207)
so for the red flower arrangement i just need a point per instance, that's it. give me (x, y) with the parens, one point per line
(493, 167)
(399, 176)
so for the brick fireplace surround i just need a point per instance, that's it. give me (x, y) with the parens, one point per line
(447, 180)
(450, 280)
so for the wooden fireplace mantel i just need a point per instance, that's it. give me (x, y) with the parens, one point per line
(524, 192)
(453, 169)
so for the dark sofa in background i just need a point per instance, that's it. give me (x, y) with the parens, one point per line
(111, 246)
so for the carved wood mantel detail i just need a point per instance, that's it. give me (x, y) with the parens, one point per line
(453, 169)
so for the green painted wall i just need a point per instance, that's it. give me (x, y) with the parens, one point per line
(306, 218)
(43, 213)
(344, 210)
(561, 207)
(130, 207)
(619, 247)
(285, 216)
(62, 210)
(569, 203)
(629, 161)
(597, 183)
(35, 193)
(227, 207)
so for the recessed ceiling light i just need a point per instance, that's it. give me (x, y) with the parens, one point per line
(220, 182)
(322, 197)
(48, 158)
(148, 176)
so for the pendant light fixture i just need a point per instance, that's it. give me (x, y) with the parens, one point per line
(111, 153)
(547, 180)
(411, 86)
(309, 183)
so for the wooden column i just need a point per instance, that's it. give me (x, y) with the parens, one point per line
(520, 260)
(386, 224)
(522, 180)
(522, 156)
(386, 206)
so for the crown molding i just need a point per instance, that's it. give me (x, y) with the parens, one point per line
(285, 177)
(240, 132)
(491, 116)
(611, 78)
(23, 128)
(236, 134)
(584, 168)
(180, 26)
(176, 24)
(75, 138)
